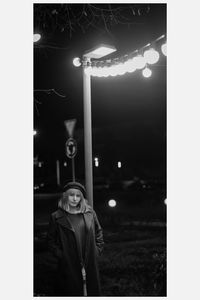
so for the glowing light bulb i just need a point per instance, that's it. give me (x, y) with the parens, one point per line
(164, 49)
(112, 203)
(36, 37)
(139, 62)
(130, 65)
(113, 70)
(151, 56)
(77, 62)
(146, 72)
(105, 72)
(96, 161)
(94, 71)
(99, 72)
(88, 70)
(119, 164)
(120, 70)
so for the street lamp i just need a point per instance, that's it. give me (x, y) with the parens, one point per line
(95, 53)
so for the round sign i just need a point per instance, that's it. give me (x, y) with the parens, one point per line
(71, 148)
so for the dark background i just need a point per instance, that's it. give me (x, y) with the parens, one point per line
(128, 112)
(128, 125)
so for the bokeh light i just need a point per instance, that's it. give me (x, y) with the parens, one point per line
(36, 37)
(77, 62)
(164, 49)
(139, 62)
(146, 72)
(151, 56)
(112, 203)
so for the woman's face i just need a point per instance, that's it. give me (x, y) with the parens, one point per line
(74, 197)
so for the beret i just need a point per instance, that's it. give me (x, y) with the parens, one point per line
(75, 185)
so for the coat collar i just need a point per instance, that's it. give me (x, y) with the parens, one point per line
(62, 218)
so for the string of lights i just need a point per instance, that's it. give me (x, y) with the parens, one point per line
(140, 59)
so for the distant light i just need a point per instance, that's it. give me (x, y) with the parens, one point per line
(77, 62)
(36, 37)
(100, 51)
(96, 161)
(65, 164)
(164, 49)
(165, 201)
(34, 132)
(112, 203)
(151, 56)
(40, 164)
(119, 164)
(146, 72)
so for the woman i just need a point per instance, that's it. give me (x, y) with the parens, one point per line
(75, 238)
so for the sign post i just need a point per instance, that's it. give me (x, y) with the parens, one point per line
(71, 150)
(71, 145)
(70, 125)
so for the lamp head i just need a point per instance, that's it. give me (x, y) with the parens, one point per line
(100, 51)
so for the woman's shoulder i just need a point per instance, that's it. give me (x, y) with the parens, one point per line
(56, 214)
(89, 209)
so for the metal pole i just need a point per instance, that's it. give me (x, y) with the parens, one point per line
(58, 172)
(73, 170)
(87, 134)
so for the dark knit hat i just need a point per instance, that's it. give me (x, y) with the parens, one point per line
(75, 185)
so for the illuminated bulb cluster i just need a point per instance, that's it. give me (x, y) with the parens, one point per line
(138, 62)
(151, 56)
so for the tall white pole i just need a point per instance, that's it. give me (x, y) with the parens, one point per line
(87, 134)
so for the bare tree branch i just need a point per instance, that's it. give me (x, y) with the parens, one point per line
(73, 17)
(49, 91)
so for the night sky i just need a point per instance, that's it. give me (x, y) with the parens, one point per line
(128, 111)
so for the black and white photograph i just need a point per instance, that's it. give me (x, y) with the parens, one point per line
(99, 149)
(100, 108)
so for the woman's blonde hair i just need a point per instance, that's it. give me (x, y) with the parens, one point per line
(63, 202)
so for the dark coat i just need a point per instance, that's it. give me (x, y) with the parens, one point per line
(62, 243)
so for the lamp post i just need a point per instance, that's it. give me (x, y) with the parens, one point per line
(95, 53)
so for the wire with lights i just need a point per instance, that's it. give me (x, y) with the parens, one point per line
(140, 59)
